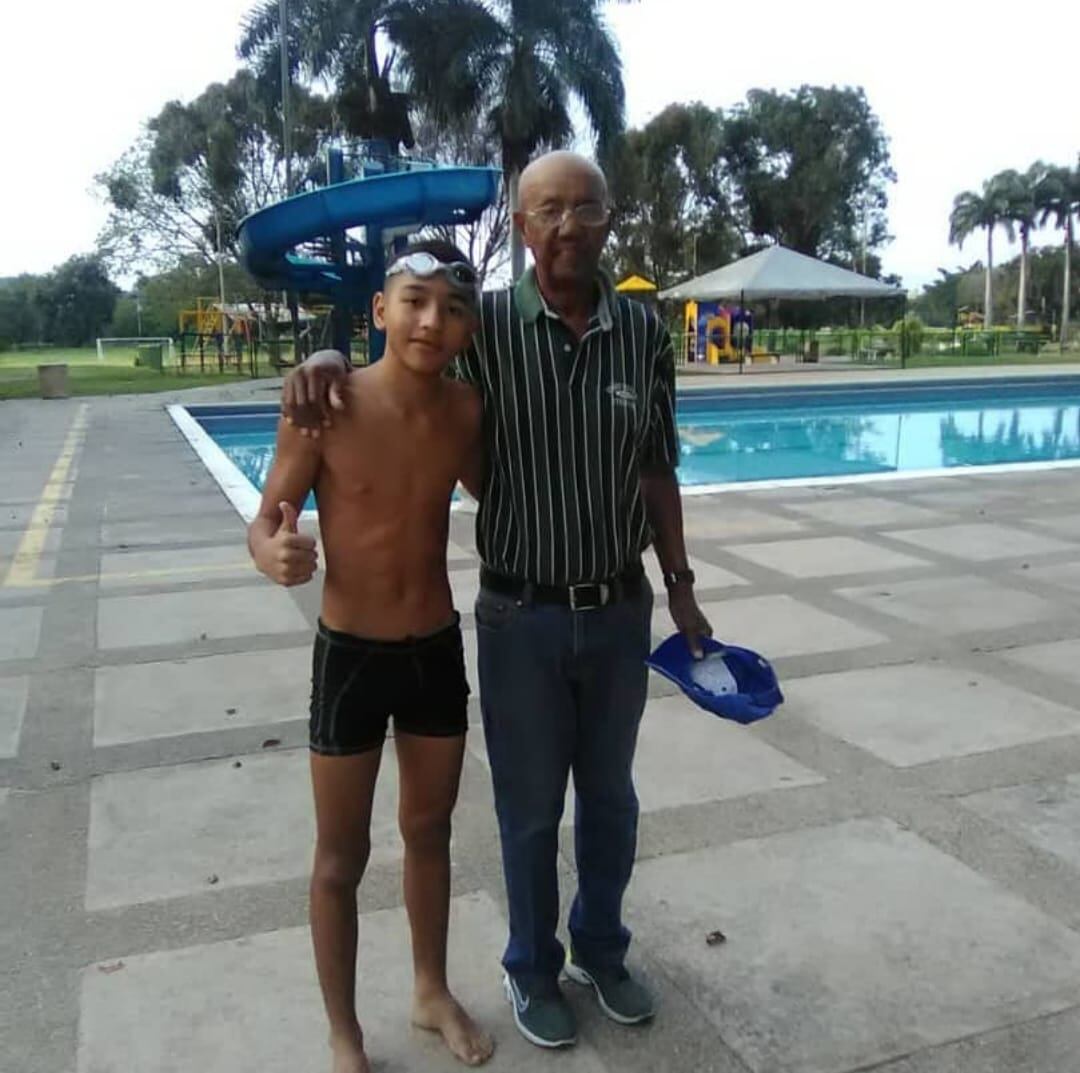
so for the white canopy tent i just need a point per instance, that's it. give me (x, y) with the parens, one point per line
(778, 272)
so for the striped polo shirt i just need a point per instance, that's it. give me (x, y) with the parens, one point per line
(569, 424)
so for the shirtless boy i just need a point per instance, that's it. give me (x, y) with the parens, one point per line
(388, 641)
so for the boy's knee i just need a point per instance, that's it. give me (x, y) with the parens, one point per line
(426, 831)
(340, 870)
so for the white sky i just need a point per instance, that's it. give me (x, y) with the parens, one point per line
(963, 89)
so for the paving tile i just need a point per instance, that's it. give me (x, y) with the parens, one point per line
(708, 575)
(468, 638)
(776, 626)
(953, 605)
(685, 757)
(1046, 814)
(719, 519)
(142, 701)
(960, 496)
(865, 511)
(13, 693)
(1060, 658)
(162, 832)
(20, 628)
(824, 556)
(175, 566)
(184, 617)
(171, 529)
(253, 1003)
(464, 585)
(980, 542)
(1066, 526)
(1060, 575)
(10, 539)
(848, 945)
(455, 553)
(915, 714)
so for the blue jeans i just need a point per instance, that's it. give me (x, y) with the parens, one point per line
(563, 691)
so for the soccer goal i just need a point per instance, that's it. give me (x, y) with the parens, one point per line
(129, 346)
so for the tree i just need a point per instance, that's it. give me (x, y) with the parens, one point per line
(670, 207)
(20, 311)
(972, 211)
(76, 301)
(337, 42)
(199, 169)
(1019, 189)
(811, 169)
(518, 66)
(1058, 199)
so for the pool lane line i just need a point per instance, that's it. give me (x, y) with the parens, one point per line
(24, 563)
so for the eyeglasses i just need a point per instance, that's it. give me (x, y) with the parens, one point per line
(588, 214)
(424, 265)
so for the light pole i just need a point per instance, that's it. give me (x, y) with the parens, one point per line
(286, 134)
(286, 148)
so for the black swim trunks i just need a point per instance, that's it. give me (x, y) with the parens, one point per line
(357, 685)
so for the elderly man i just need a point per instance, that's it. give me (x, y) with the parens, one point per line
(578, 384)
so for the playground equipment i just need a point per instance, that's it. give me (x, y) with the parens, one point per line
(229, 332)
(303, 244)
(715, 333)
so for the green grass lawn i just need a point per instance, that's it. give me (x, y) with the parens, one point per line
(115, 375)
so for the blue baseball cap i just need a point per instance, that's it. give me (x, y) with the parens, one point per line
(731, 682)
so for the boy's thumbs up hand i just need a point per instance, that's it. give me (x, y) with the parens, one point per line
(288, 518)
(290, 557)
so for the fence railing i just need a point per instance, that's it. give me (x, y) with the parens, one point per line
(881, 346)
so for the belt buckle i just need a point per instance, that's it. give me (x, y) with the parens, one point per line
(600, 592)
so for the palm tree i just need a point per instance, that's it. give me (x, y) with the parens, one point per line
(972, 211)
(1058, 199)
(516, 65)
(1019, 188)
(336, 41)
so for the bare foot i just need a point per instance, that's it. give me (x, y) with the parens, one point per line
(443, 1014)
(348, 1054)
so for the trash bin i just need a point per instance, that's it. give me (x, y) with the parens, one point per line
(811, 350)
(53, 381)
(148, 355)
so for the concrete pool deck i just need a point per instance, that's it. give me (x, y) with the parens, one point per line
(893, 856)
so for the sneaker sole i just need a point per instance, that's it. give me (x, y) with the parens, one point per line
(580, 976)
(532, 1037)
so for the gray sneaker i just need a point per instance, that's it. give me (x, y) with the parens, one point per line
(620, 996)
(543, 1018)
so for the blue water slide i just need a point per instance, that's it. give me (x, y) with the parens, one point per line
(398, 201)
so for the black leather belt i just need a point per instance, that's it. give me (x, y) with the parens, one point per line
(584, 596)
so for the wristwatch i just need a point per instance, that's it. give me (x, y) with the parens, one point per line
(679, 577)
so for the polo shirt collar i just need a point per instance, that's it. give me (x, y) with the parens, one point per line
(531, 304)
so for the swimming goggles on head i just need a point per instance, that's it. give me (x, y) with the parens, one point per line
(423, 265)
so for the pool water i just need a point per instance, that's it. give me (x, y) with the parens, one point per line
(756, 434)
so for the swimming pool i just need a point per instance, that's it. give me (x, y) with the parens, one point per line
(735, 437)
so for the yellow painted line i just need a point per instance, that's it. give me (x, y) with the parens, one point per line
(24, 563)
(136, 576)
